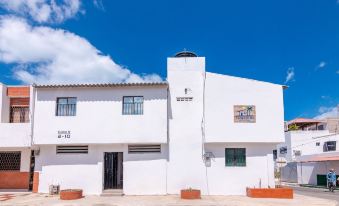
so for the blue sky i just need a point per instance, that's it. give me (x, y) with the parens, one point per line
(261, 40)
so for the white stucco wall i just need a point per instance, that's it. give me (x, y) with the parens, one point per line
(146, 174)
(99, 116)
(187, 144)
(143, 173)
(15, 135)
(258, 171)
(186, 167)
(223, 92)
(99, 122)
(307, 172)
(305, 141)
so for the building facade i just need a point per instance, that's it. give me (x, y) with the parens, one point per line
(15, 137)
(310, 150)
(197, 130)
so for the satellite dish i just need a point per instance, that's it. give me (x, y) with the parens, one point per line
(281, 162)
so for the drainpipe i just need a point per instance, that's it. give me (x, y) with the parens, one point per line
(203, 126)
(32, 112)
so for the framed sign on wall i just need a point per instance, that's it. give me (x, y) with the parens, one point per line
(244, 114)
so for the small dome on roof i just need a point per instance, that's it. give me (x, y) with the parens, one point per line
(185, 54)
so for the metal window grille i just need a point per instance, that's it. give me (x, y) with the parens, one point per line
(184, 99)
(133, 105)
(235, 157)
(66, 106)
(330, 146)
(72, 149)
(297, 152)
(155, 148)
(19, 114)
(283, 150)
(10, 161)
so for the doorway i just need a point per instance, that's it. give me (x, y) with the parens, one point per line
(113, 170)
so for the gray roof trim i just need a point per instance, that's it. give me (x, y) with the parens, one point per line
(100, 85)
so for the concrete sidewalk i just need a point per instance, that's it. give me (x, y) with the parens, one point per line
(169, 200)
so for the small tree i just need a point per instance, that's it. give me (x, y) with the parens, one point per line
(293, 127)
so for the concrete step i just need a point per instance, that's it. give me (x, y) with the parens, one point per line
(112, 192)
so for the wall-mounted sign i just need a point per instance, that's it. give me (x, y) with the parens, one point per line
(64, 134)
(244, 113)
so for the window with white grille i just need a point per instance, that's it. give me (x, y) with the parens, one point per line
(149, 148)
(75, 149)
(330, 146)
(10, 161)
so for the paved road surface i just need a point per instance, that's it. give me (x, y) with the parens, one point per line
(316, 192)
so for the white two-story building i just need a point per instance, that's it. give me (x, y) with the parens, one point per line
(198, 130)
(15, 137)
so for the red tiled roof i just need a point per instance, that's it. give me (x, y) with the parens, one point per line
(304, 120)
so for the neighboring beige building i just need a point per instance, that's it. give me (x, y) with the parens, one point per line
(331, 124)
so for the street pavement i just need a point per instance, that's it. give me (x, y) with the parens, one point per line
(317, 192)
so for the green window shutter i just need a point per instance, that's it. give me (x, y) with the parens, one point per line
(229, 157)
(241, 157)
(235, 157)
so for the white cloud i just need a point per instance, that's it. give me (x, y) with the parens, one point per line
(290, 75)
(99, 5)
(326, 112)
(43, 11)
(47, 55)
(321, 65)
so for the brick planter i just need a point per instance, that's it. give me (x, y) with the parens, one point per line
(190, 194)
(14, 180)
(282, 193)
(70, 194)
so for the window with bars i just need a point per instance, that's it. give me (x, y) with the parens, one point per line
(184, 99)
(150, 148)
(330, 146)
(66, 106)
(10, 161)
(133, 105)
(283, 150)
(235, 157)
(19, 114)
(19, 110)
(72, 149)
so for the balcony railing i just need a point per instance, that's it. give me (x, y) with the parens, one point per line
(19, 114)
